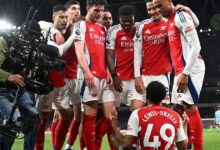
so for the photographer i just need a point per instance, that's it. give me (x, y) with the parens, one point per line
(10, 81)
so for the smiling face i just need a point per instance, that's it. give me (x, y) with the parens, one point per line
(164, 7)
(106, 19)
(153, 12)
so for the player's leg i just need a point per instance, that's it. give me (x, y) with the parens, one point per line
(90, 102)
(109, 106)
(61, 104)
(75, 123)
(56, 118)
(194, 86)
(44, 106)
(190, 96)
(103, 127)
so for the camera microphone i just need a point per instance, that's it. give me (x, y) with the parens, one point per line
(49, 50)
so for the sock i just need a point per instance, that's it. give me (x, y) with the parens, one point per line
(82, 143)
(53, 129)
(100, 132)
(39, 144)
(89, 131)
(195, 129)
(110, 142)
(73, 131)
(109, 132)
(61, 131)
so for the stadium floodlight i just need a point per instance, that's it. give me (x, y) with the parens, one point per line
(5, 25)
(14, 27)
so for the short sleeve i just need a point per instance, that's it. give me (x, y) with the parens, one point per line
(111, 37)
(138, 39)
(133, 124)
(180, 133)
(79, 31)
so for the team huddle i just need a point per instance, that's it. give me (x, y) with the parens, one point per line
(129, 63)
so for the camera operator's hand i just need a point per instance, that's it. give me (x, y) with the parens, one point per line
(16, 79)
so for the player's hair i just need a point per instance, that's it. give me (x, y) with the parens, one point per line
(96, 2)
(58, 7)
(156, 92)
(107, 10)
(126, 10)
(71, 2)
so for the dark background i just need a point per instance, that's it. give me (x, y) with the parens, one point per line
(16, 10)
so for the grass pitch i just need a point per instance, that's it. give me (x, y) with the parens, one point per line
(211, 142)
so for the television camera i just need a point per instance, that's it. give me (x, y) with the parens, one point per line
(33, 59)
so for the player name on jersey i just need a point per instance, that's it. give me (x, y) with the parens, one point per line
(160, 113)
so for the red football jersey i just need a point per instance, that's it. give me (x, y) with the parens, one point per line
(153, 40)
(94, 36)
(123, 45)
(71, 63)
(57, 77)
(158, 127)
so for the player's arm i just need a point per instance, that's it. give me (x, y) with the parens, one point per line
(180, 7)
(110, 58)
(55, 37)
(181, 139)
(139, 85)
(185, 24)
(79, 42)
(125, 141)
(110, 61)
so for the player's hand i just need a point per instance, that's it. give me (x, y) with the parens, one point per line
(113, 117)
(89, 79)
(182, 81)
(139, 85)
(185, 119)
(58, 37)
(117, 84)
(16, 79)
(109, 79)
(180, 7)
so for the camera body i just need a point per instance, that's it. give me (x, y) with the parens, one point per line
(26, 56)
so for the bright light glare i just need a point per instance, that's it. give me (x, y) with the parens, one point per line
(4, 25)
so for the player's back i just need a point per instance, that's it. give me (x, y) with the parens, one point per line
(158, 127)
